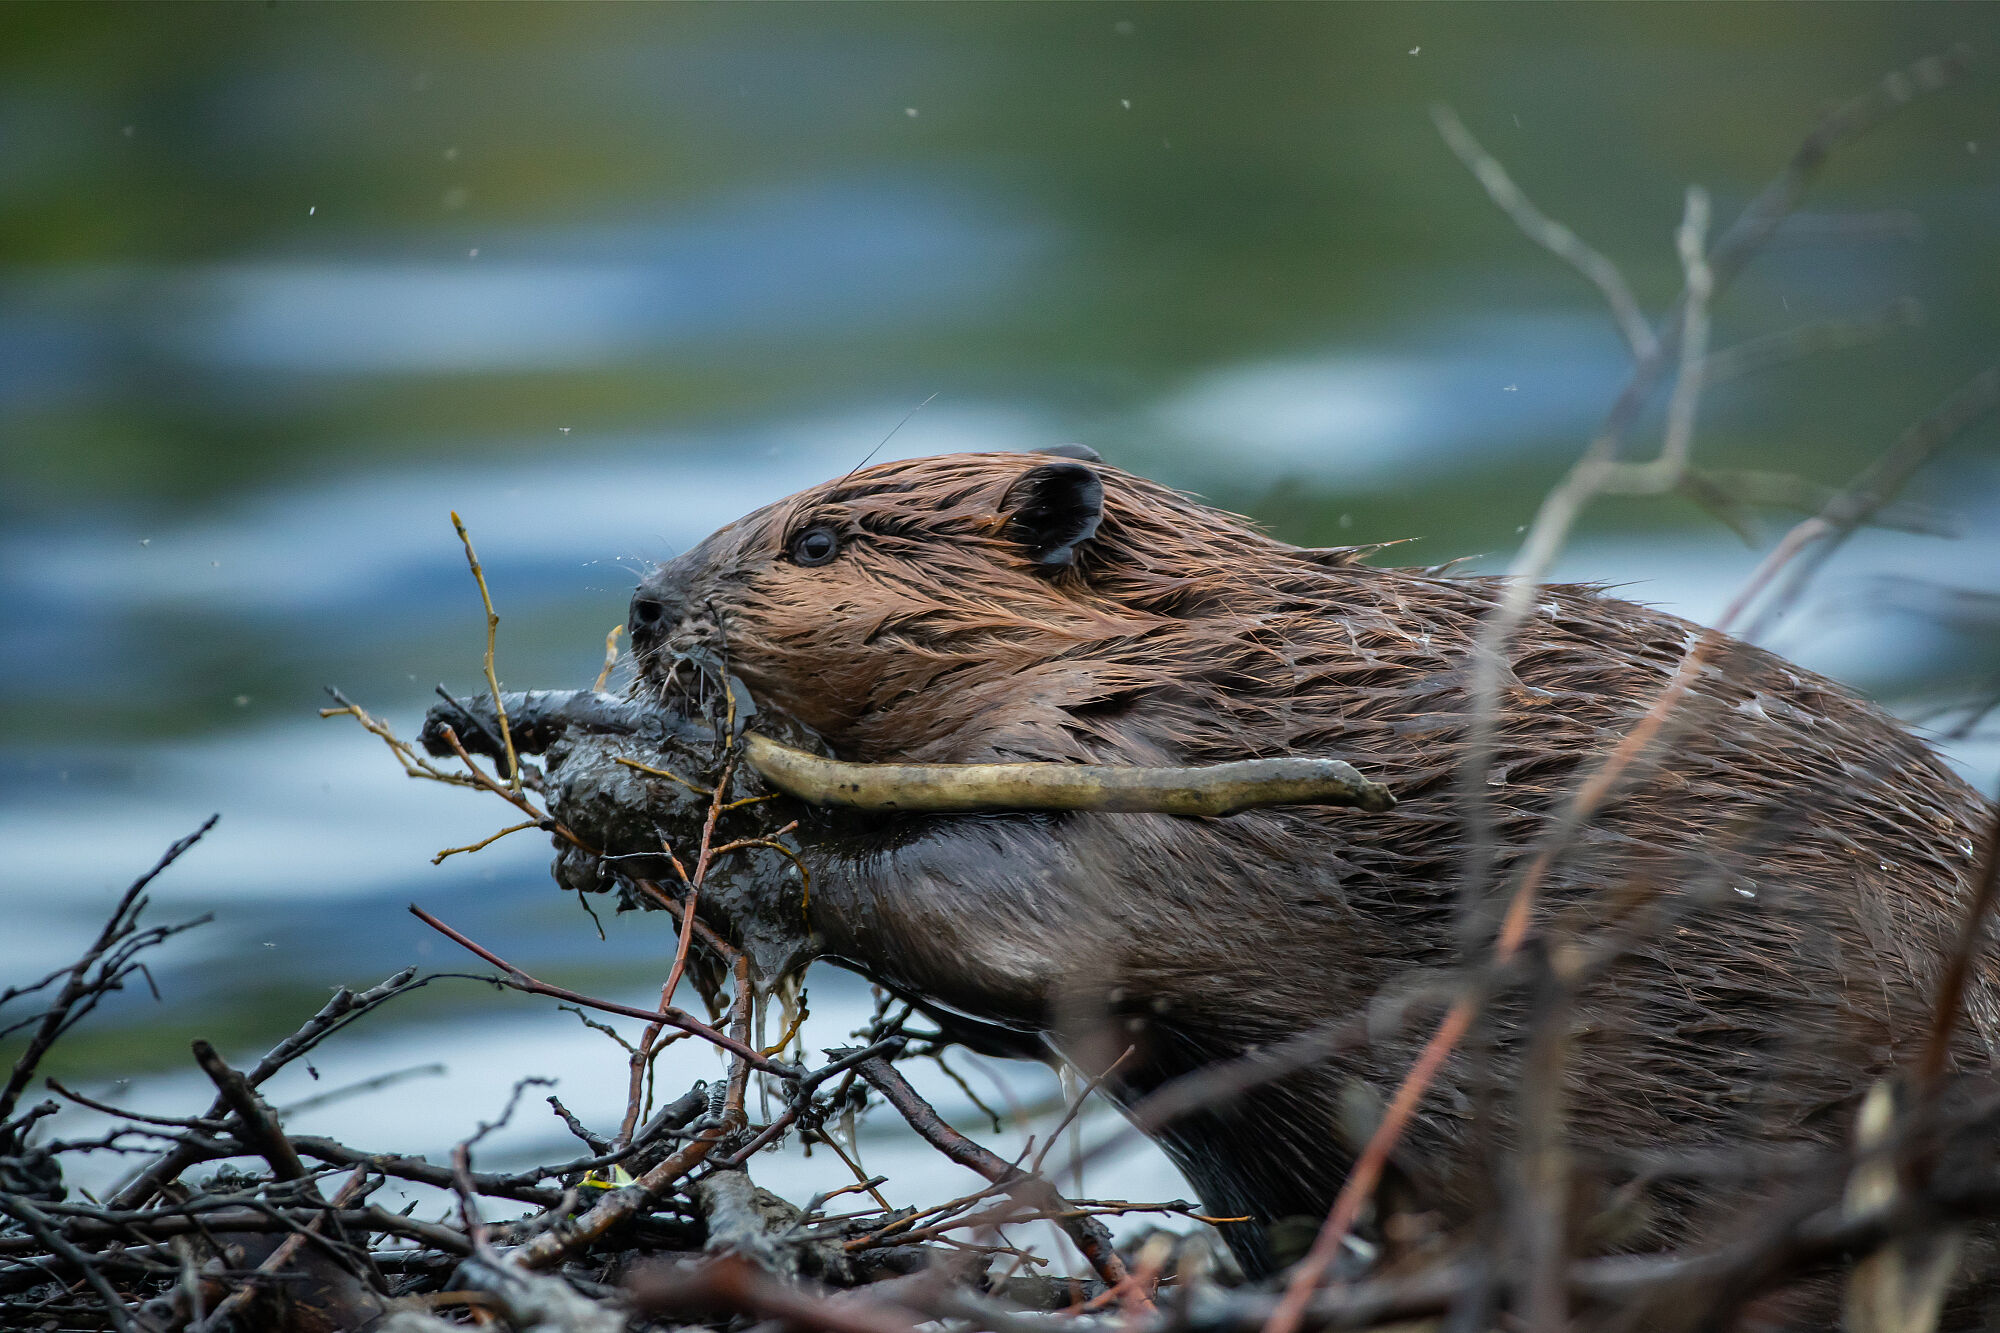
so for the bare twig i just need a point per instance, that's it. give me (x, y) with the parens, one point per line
(1089, 1235)
(255, 1124)
(486, 841)
(513, 795)
(1546, 232)
(414, 764)
(515, 978)
(114, 946)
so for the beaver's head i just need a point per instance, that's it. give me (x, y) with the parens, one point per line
(971, 606)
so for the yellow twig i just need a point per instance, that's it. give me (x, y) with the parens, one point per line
(610, 657)
(486, 841)
(805, 876)
(518, 800)
(666, 773)
(414, 765)
(798, 1021)
(492, 628)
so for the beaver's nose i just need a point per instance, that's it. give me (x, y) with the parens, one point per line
(657, 606)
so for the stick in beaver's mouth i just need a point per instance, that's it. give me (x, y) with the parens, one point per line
(539, 717)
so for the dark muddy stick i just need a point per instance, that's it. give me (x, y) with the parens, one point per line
(427, 1173)
(1089, 1234)
(109, 1225)
(258, 1129)
(520, 1185)
(256, 1126)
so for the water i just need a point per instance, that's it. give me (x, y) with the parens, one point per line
(280, 288)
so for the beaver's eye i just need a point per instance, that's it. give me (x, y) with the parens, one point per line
(815, 546)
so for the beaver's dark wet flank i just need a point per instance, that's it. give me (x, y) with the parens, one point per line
(1789, 864)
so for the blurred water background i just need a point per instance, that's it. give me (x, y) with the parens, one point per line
(282, 285)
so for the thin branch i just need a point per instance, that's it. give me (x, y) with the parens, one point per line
(568, 1235)
(80, 985)
(1034, 1192)
(518, 980)
(1546, 232)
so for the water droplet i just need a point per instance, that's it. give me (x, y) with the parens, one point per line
(1415, 49)
(1746, 889)
(910, 111)
(1125, 102)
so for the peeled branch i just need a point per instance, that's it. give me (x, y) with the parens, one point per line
(1211, 789)
(539, 717)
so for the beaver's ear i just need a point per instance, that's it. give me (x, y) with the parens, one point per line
(1082, 453)
(1054, 509)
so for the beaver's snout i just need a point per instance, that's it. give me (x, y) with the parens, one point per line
(651, 619)
(659, 605)
(669, 620)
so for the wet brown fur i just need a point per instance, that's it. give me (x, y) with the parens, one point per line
(1798, 862)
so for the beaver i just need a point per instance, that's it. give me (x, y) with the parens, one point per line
(1798, 862)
